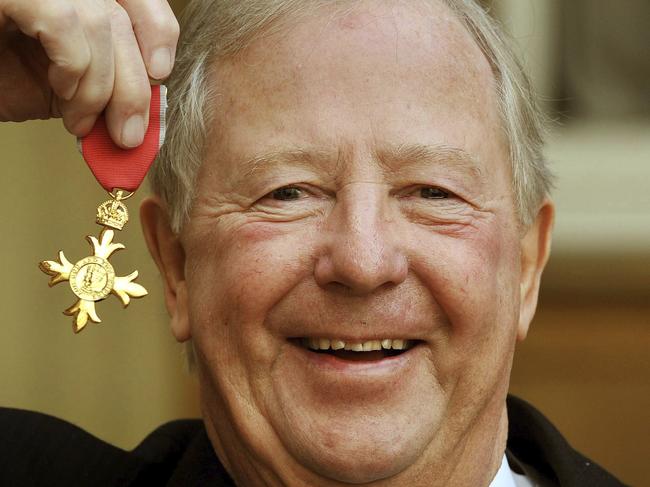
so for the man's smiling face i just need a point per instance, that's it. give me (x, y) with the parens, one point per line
(355, 193)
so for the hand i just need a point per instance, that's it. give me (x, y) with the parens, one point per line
(76, 58)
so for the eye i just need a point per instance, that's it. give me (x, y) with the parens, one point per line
(286, 193)
(433, 193)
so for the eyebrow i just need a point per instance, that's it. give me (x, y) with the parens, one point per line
(404, 156)
(391, 158)
(293, 157)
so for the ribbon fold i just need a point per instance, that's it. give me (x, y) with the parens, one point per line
(115, 167)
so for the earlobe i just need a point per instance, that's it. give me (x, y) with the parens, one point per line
(167, 251)
(535, 251)
(180, 323)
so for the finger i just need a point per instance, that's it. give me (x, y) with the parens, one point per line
(127, 114)
(156, 29)
(56, 25)
(96, 86)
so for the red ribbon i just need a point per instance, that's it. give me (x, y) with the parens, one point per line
(125, 168)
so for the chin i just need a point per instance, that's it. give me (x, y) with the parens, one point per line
(356, 457)
(356, 422)
(359, 441)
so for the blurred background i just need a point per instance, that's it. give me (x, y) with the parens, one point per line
(586, 362)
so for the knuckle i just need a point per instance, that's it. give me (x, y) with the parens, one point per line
(97, 23)
(164, 26)
(62, 14)
(77, 123)
(118, 14)
(54, 17)
(175, 29)
(93, 100)
(176, 25)
(134, 100)
(76, 66)
(78, 112)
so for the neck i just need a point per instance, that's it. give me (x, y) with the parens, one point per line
(479, 457)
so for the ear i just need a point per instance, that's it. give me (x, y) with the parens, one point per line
(167, 251)
(535, 251)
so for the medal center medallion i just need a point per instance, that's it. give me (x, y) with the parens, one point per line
(92, 278)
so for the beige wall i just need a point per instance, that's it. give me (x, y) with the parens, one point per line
(585, 364)
(119, 378)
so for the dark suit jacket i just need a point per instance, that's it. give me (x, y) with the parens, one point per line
(40, 450)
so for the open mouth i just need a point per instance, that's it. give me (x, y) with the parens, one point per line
(371, 350)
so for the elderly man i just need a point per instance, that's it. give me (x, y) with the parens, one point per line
(351, 218)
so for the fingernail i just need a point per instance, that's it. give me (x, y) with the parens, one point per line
(133, 131)
(160, 64)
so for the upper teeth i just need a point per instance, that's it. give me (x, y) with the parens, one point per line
(335, 344)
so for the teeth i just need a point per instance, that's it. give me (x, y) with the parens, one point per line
(371, 345)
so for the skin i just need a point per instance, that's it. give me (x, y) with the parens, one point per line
(75, 59)
(363, 251)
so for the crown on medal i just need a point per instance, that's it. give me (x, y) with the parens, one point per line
(113, 214)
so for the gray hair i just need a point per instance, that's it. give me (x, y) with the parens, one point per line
(218, 29)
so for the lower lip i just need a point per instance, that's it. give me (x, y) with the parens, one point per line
(387, 365)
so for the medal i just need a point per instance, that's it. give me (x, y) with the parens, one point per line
(120, 172)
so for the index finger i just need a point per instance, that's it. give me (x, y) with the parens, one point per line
(156, 29)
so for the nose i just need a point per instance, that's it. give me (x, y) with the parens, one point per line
(363, 250)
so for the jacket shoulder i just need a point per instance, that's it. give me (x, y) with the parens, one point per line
(538, 448)
(37, 449)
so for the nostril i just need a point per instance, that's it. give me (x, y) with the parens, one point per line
(356, 269)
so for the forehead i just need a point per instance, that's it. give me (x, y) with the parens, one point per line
(382, 72)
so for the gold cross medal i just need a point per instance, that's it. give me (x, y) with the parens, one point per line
(120, 172)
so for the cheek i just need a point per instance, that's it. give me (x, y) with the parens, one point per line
(235, 276)
(474, 280)
(265, 261)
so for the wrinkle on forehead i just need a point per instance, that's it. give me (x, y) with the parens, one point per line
(331, 77)
(409, 30)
